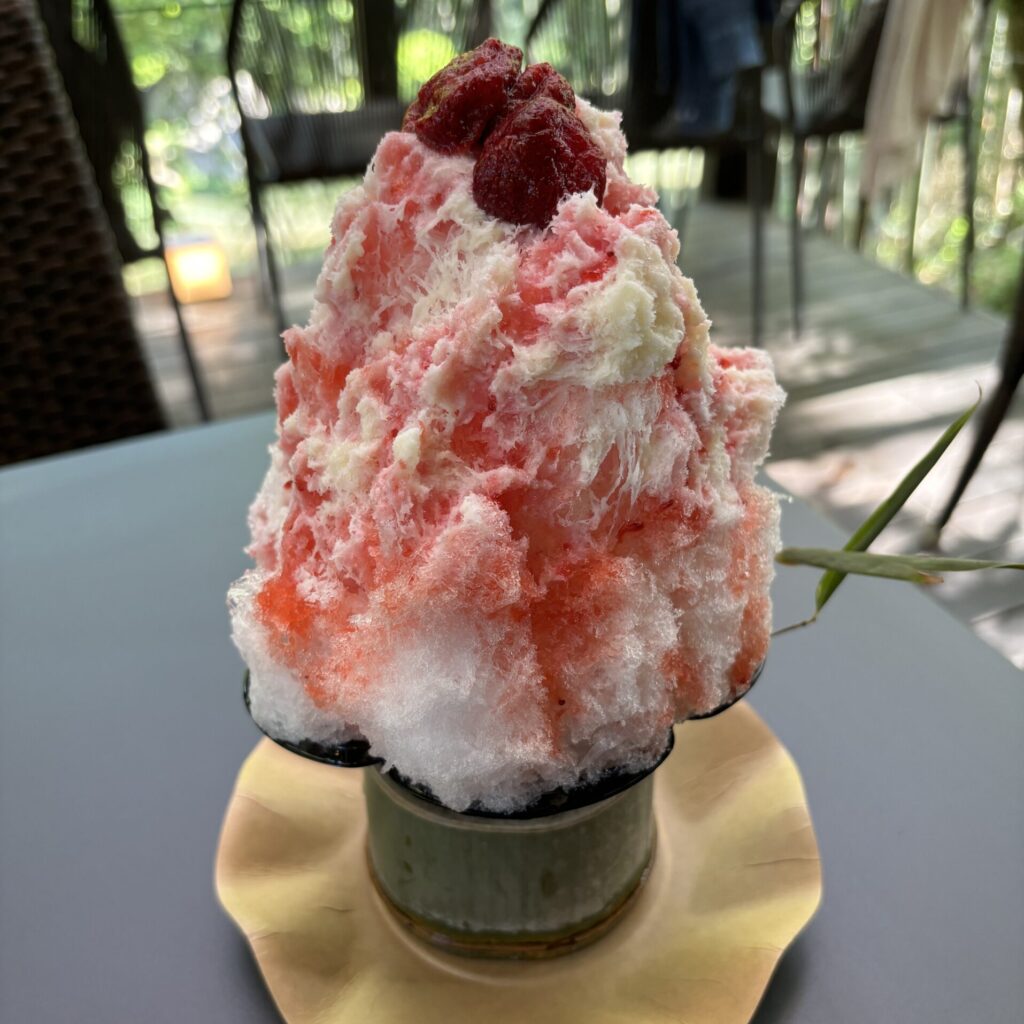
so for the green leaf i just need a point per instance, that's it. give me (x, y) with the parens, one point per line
(880, 518)
(911, 568)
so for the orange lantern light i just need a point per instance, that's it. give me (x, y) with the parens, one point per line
(199, 270)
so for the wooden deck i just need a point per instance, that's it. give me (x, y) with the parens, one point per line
(884, 364)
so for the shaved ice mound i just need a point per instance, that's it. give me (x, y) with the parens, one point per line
(510, 531)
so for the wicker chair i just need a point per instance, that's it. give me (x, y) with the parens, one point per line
(71, 372)
(316, 91)
(97, 76)
(608, 52)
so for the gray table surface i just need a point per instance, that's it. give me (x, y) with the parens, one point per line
(122, 729)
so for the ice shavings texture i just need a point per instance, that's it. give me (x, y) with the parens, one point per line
(510, 530)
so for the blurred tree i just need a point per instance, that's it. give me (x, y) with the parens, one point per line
(177, 52)
(176, 49)
(929, 207)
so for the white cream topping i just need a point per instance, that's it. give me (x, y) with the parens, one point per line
(406, 447)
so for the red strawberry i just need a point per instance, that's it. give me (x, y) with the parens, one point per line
(543, 80)
(538, 154)
(456, 107)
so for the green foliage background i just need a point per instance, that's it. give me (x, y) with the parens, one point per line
(177, 52)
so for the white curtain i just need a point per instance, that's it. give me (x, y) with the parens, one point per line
(921, 58)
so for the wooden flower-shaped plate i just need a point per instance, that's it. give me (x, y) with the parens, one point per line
(736, 876)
